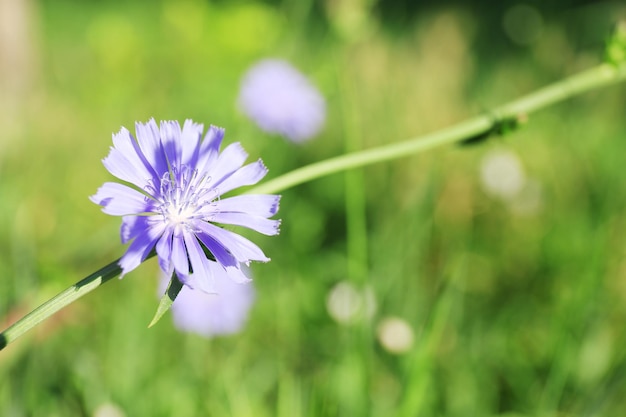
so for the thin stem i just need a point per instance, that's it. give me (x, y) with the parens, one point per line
(59, 301)
(600, 76)
(356, 229)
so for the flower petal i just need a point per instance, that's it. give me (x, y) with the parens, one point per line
(219, 251)
(131, 227)
(230, 160)
(257, 223)
(171, 143)
(210, 147)
(119, 200)
(190, 142)
(240, 247)
(149, 140)
(256, 205)
(247, 175)
(179, 258)
(164, 251)
(203, 275)
(140, 248)
(126, 161)
(236, 274)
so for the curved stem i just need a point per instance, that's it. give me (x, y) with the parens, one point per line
(517, 110)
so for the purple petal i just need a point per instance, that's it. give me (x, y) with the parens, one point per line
(247, 175)
(197, 282)
(118, 165)
(171, 142)
(209, 149)
(255, 205)
(119, 200)
(236, 274)
(240, 247)
(221, 253)
(230, 160)
(164, 251)
(126, 161)
(190, 141)
(149, 140)
(140, 247)
(202, 273)
(133, 226)
(257, 223)
(179, 258)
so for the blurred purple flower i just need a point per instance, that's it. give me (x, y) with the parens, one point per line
(212, 314)
(282, 101)
(178, 181)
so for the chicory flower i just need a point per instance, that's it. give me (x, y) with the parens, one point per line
(282, 101)
(172, 201)
(211, 315)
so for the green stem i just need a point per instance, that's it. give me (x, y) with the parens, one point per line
(59, 301)
(356, 230)
(517, 110)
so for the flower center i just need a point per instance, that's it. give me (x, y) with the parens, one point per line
(179, 215)
(183, 195)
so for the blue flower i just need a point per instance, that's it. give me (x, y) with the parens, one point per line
(282, 101)
(174, 198)
(211, 315)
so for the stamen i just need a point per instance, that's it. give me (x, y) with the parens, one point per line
(183, 196)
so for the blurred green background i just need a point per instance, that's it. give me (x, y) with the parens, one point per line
(502, 264)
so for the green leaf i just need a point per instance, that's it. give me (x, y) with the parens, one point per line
(168, 298)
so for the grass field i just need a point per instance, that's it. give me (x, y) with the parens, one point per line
(515, 297)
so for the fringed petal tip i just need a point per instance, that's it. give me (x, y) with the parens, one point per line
(94, 199)
(269, 228)
(102, 202)
(123, 132)
(150, 123)
(265, 168)
(276, 204)
(215, 130)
